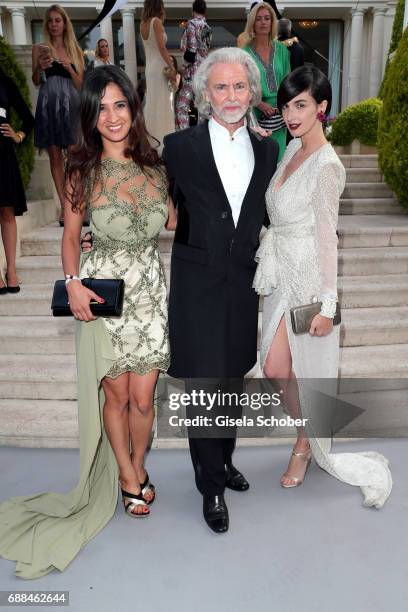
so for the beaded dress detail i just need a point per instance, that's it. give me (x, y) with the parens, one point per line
(126, 221)
(297, 261)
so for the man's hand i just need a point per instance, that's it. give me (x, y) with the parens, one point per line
(267, 109)
(86, 242)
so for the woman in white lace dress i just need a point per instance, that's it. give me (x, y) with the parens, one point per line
(297, 261)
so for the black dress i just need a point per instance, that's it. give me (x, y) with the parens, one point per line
(11, 185)
(57, 112)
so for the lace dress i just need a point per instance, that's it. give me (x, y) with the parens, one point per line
(126, 221)
(297, 260)
(45, 531)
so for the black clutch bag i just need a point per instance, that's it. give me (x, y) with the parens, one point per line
(302, 316)
(110, 289)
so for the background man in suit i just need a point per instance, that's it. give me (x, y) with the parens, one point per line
(219, 172)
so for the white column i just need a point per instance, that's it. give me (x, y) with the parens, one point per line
(1, 25)
(356, 51)
(376, 60)
(388, 24)
(346, 62)
(106, 32)
(19, 26)
(129, 43)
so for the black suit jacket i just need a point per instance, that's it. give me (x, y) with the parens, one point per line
(213, 310)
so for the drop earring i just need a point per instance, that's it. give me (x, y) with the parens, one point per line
(322, 117)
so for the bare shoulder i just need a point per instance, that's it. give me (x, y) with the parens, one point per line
(157, 25)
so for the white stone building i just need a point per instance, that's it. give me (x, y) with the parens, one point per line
(350, 38)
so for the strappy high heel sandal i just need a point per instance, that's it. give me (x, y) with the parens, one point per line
(131, 500)
(147, 486)
(296, 482)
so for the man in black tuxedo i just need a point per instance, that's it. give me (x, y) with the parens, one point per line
(219, 172)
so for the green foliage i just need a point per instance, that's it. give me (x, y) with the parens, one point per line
(392, 136)
(25, 151)
(357, 122)
(395, 39)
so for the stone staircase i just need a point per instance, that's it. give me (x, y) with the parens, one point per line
(37, 360)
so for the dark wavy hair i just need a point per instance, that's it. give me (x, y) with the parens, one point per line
(83, 169)
(305, 78)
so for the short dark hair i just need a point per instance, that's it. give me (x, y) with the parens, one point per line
(284, 28)
(200, 7)
(305, 78)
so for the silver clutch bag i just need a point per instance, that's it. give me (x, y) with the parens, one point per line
(302, 316)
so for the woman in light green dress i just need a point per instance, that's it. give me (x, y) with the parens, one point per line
(117, 174)
(273, 60)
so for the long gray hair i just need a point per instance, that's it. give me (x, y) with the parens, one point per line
(226, 55)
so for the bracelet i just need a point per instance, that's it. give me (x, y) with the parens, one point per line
(71, 277)
(21, 136)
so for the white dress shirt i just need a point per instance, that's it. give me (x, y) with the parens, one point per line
(234, 158)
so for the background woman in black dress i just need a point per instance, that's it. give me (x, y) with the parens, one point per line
(58, 66)
(12, 196)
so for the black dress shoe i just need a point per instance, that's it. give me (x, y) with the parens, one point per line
(235, 480)
(216, 512)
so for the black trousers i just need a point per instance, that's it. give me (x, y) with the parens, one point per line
(210, 455)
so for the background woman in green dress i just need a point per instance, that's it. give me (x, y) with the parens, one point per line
(273, 60)
(114, 172)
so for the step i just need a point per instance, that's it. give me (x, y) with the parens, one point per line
(374, 326)
(363, 175)
(385, 413)
(379, 260)
(376, 362)
(354, 291)
(54, 377)
(37, 377)
(370, 206)
(373, 291)
(44, 335)
(372, 231)
(359, 161)
(46, 423)
(47, 241)
(34, 299)
(369, 326)
(367, 190)
(47, 335)
(47, 268)
(54, 423)
(39, 213)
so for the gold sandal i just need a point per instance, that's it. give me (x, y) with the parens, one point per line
(296, 482)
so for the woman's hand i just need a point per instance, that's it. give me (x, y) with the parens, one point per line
(8, 132)
(67, 65)
(321, 326)
(267, 109)
(44, 59)
(79, 298)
